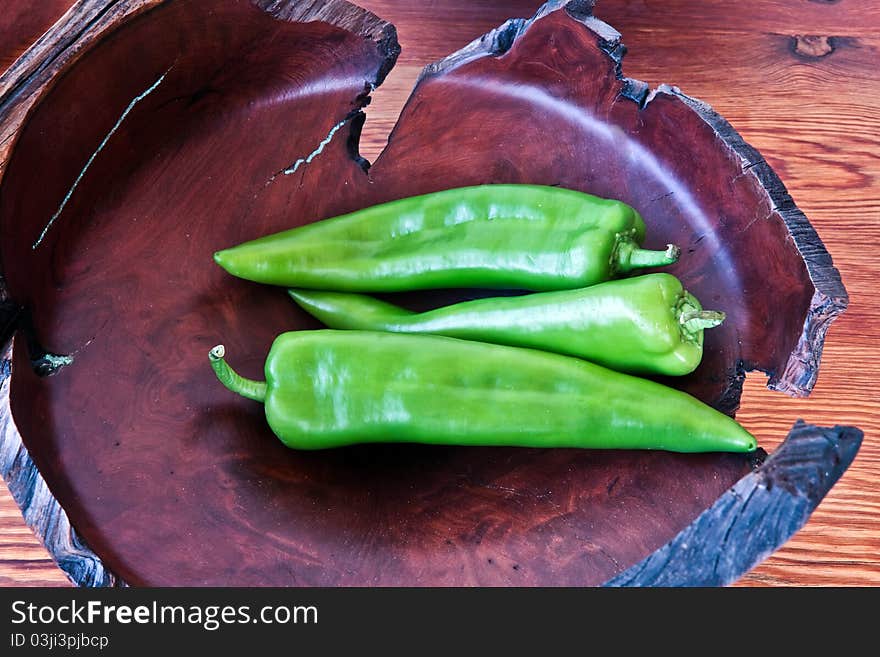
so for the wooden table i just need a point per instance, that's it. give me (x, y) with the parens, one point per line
(798, 80)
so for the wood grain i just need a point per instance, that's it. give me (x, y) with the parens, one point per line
(183, 453)
(23, 559)
(22, 23)
(819, 143)
(812, 118)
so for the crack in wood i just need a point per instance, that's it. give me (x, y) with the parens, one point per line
(29, 75)
(743, 503)
(756, 220)
(663, 196)
(315, 153)
(137, 99)
(608, 556)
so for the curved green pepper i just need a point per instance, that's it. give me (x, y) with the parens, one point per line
(329, 388)
(531, 237)
(643, 325)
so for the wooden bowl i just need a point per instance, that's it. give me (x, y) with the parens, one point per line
(144, 135)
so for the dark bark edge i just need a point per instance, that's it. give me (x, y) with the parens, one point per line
(41, 511)
(754, 517)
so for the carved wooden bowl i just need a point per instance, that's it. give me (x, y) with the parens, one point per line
(147, 136)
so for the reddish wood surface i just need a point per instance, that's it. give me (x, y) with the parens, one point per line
(846, 542)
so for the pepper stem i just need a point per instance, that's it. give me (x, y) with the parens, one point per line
(249, 388)
(696, 320)
(630, 256)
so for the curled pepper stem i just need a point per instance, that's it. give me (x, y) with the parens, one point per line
(696, 320)
(629, 256)
(249, 388)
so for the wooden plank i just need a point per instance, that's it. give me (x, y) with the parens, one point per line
(23, 559)
(839, 17)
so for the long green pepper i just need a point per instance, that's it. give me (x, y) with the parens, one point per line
(643, 325)
(529, 237)
(327, 389)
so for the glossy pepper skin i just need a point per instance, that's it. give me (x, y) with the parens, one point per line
(530, 237)
(643, 325)
(327, 389)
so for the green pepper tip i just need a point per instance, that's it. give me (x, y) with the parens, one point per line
(220, 257)
(217, 352)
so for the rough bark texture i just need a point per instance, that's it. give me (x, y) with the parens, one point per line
(760, 513)
(41, 510)
(249, 124)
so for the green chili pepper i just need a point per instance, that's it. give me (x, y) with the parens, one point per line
(530, 237)
(643, 325)
(329, 388)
